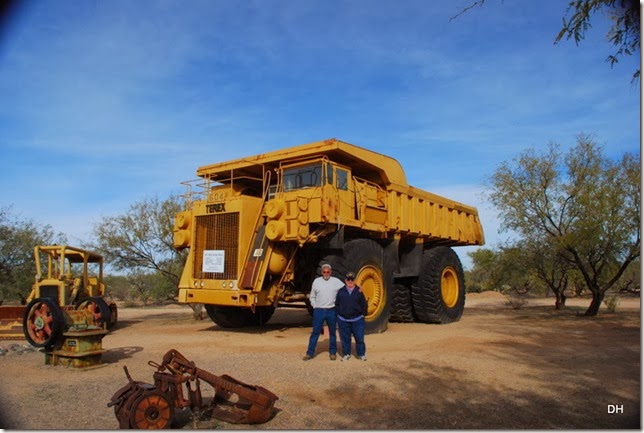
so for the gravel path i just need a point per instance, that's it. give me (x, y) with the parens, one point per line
(498, 368)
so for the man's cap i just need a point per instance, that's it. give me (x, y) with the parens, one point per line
(350, 276)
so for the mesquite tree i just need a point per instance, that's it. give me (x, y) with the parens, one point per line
(18, 237)
(549, 265)
(623, 33)
(142, 239)
(583, 204)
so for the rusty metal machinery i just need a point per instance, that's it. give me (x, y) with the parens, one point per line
(141, 405)
(44, 322)
(71, 336)
(67, 278)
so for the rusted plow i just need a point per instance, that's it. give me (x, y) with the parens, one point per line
(140, 405)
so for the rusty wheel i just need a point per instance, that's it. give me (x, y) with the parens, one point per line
(151, 410)
(43, 322)
(99, 309)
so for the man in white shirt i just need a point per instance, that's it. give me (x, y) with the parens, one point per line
(322, 297)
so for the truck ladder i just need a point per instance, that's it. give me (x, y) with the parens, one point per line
(259, 251)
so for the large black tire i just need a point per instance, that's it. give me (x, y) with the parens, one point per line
(114, 317)
(43, 323)
(237, 317)
(439, 294)
(262, 315)
(364, 257)
(401, 305)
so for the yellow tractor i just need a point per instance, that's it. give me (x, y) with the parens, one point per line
(259, 228)
(68, 279)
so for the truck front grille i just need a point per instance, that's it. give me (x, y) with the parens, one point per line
(217, 232)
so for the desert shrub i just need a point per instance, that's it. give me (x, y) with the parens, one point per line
(474, 288)
(130, 303)
(516, 302)
(611, 302)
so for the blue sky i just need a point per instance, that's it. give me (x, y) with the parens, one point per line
(106, 103)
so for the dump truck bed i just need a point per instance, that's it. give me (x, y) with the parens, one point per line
(439, 220)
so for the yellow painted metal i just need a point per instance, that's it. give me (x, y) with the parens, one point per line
(78, 349)
(449, 287)
(278, 262)
(426, 214)
(388, 169)
(293, 197)
(56, 279)
(11, 322)
(54, 274)
(372, 284)
(386, 202)
(233, 298)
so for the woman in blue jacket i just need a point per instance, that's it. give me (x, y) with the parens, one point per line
(351, 308)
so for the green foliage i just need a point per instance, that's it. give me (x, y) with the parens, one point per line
(549, 266)
(630, 281)
(496, 269)
(141, 287)
(141, 241)
(18, 237)
(472, 287)
(118, 287)
(576, 214)
(612, 302)
(624, 34)
(484, 275)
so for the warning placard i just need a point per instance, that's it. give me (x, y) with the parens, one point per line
(213, 261)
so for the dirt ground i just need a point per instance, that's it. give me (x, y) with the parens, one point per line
(497, 368)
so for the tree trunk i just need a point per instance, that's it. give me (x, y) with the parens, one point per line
(560, 300)
(593, 309)
(197, 311)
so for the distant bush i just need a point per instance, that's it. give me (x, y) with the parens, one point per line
(130, 304)
(516, 302)
(611, 302)
(474, 288)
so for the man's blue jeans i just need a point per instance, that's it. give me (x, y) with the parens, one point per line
(357, 330)
(321, 315)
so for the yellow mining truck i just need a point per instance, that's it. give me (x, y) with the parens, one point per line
(259, 228)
